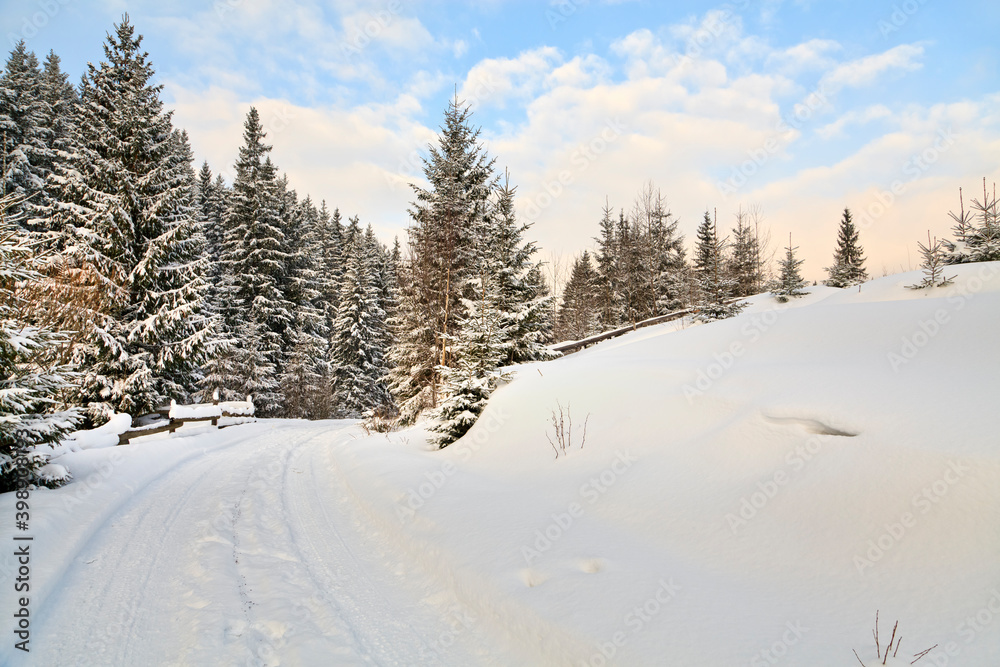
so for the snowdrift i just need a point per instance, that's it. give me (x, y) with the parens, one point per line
(750, 491)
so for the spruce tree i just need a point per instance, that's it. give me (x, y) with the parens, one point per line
(174, 296)
(305, 375)
(976, 242)
(578, 315)
(25, 153)
(743, 265)
(988, 232)
(791, 282)
(219, 372)
(211, 202)
(935, 256)
(608, 272)
(446, 219)
(520, 294)
(414, 355)
(254, 260)
(385, 286)
(848, 260)
(632, 270)
(483, 342)
(358, 343)
(60, 98)
(667, 262)
(715, 288)
(329, 250)
(31, 378)
(961, 249)
(123, 205)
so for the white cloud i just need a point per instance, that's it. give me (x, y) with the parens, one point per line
(359, 159)
(812, 55)
(596, 125)
(861, 117)
(495, 81)
(867, 70)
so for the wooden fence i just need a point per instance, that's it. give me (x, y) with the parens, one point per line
(170, 418)
(577, 345)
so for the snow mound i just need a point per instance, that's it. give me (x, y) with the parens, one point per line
(968, 280)
(783, 474)
(105, 435)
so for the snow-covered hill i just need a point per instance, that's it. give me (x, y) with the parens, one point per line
(749, 492)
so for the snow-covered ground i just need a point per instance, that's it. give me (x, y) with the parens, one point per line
(750, 492)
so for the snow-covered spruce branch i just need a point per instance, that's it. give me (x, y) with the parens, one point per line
(562, 423)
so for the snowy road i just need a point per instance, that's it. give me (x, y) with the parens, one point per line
(248, 554)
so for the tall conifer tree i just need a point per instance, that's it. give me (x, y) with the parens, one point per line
(25, 137)
(254, 259)
(446, 220)
(124, 204)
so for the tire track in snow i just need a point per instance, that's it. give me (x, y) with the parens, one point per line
(131, 547)
(383, 639)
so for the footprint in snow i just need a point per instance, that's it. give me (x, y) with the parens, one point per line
(532, 578)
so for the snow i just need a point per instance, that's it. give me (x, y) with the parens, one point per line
(237, 408)
(105, 435)
(750, 492)
(52, 471)
(198, 411)
(209, 410)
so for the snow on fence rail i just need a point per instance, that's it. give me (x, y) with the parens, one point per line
(572, 346)
(169, 419)
(577, 345)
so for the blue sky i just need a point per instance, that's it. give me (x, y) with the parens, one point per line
(797, 109)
